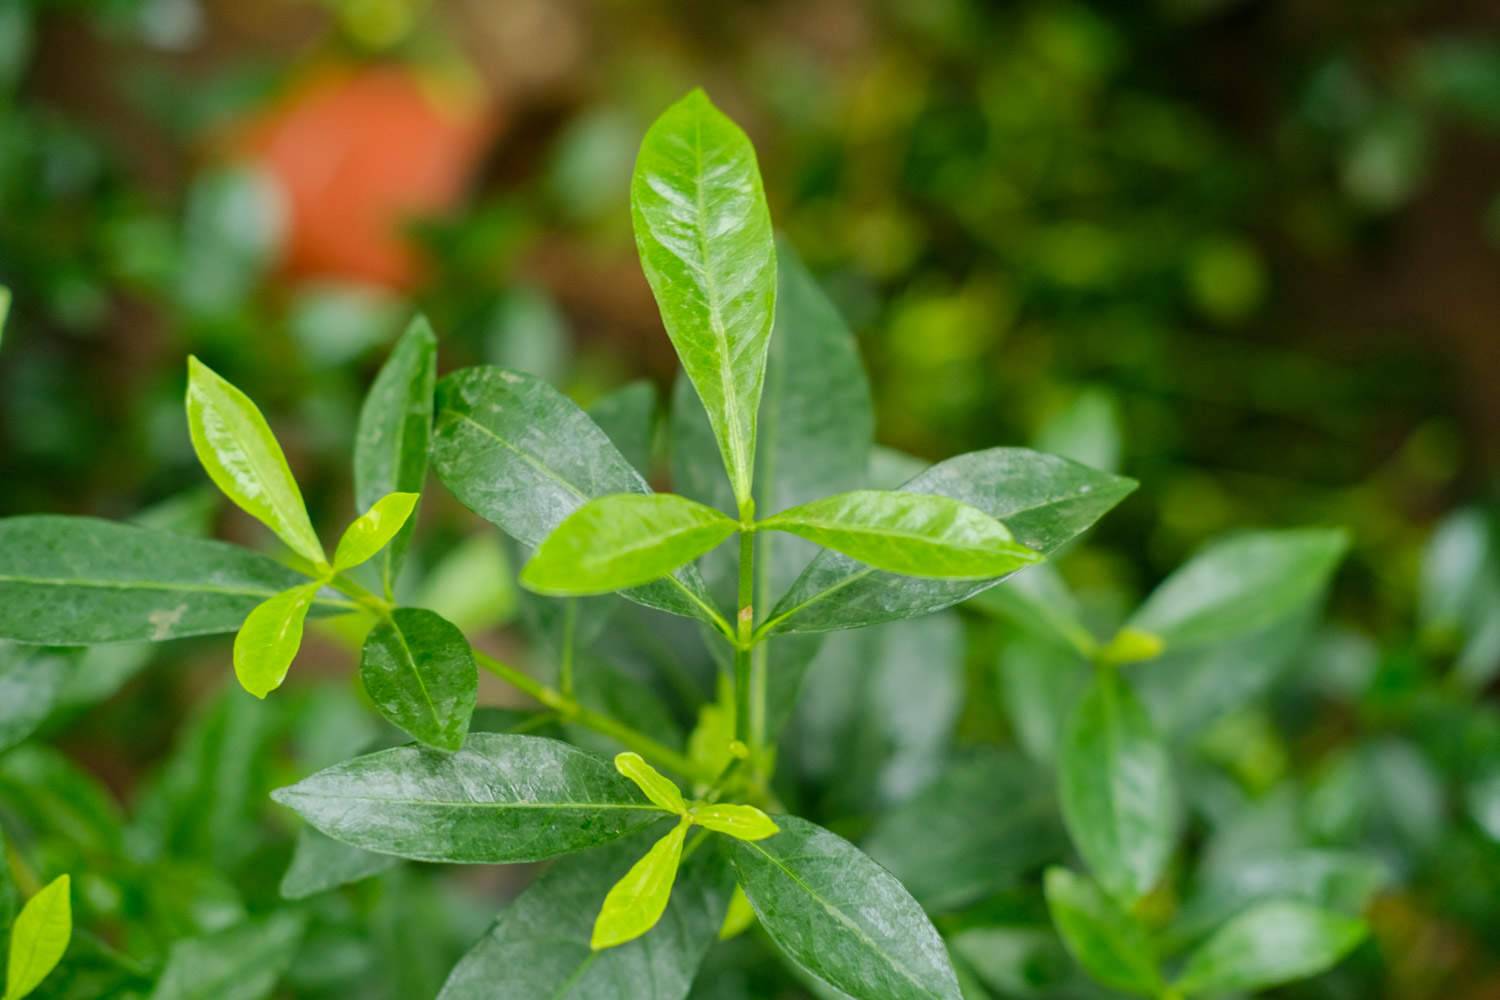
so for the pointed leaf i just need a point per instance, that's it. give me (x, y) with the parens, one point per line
(1239, 586)
(502, 798)
(1111, 944)
(419, 671)
(521, 455)
(621, 541)
(80, 581)
(373, 530)
(243, 962)
(538, 948)
(32, 681)
(1272, 943)
(242, 457)
(842, 917)
(1118, 796)
(656, 786)
(320, 863)
(637, 901)
(703, 232)
(39, 937)
(1043, 500)
(268, 641)
(395, 425)
(913, 534)
(738, 821)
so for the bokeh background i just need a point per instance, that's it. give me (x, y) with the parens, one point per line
(1245, 252)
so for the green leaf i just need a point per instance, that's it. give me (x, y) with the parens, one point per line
(395, 426)
(1118, 796)
(1236, 587)
(1043, 500)
(738, 821)
(628, 417)
(419, 671)
(320, 863)
(46, 791)
(539, 948)
(637, 901)
(1111, 944)
(986, 820)
(842, 917)
(1039, 602)
(268, 641)
(244, 962)
(373, 530)
(912, 534)
(1273, 943)
(502, 798)
(521, 455)
(621, 541)
(1040, 682)
(80, 581)
(241, 456)
(39, 938)
(657, 787)
(32, 681)
(703, 232)
(5, 299)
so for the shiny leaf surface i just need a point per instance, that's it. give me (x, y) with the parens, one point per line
(636, 902)
(39, 937)
(373, 530)
(268, 641)
(419, 671)
(738, 821)
(656, 786)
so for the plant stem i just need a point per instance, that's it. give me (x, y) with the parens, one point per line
(572, 711)
(744, 709)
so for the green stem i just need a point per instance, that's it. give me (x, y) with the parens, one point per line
(744, 708)
(569, 627)
(362, 596)
(572, 711)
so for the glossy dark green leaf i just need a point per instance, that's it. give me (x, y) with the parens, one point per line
(1272, 943)
(637, 901)
(320, 863)
(1118, 795)
(1044, 501)
(628, 417)
(32, 680)
(270, 638)
(703, 232)
(913, 534)
(39, 937)
(78, 581)
(623, 540)
(987, 820)
(244, 962)
(502, 798)
(538, 948)
(419, 671)
(840, 916)
(395, 426)
(1239, 586)
(521, 455)
(241, 455)
(1111, 944)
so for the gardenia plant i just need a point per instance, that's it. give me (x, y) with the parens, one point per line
(675, 847)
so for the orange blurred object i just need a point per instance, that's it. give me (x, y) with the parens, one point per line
(360, 153)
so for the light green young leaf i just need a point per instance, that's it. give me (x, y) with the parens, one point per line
(703, 232)
(79, 581)
(539, 948)
(502, 798)
(741, 822)
(373, 530)
(1045, 502)
(841, 917)
(4, 310)
(1111, 944)
(657, 786)
(268, 641)
(237, 449)
(913, 534)
(708, 743)
(419, 671)
(622, 541)
(1118, 796)
(39, 938)
(1270, 944)
(1238, 586)
(739, 916)
(395, 426)
(639, 899)
(523, 456)
(1131, 645)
